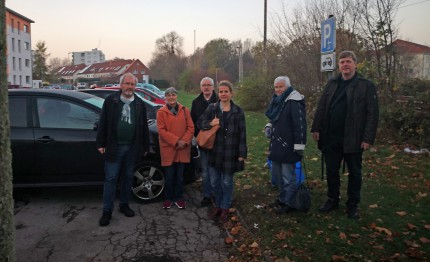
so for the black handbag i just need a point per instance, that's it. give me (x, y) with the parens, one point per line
(303, 196)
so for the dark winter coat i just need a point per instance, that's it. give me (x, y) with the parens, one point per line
(198, 106)
(108, 123)
(230, 141)
(289, 131)
(362, 113)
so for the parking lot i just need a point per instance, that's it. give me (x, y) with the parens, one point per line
(61, 224)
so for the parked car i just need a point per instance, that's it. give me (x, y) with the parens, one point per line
(151, 87)
(53, 142)
(81, 85)
(151, 108)
(146, 94)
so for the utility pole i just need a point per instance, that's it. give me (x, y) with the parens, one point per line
(265, 39)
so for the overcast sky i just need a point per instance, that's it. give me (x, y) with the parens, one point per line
(129, 29)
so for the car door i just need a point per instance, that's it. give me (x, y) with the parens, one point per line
(22, 140)
(65, 145)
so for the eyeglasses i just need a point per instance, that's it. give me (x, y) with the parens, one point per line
(170, 94)
(206, 85)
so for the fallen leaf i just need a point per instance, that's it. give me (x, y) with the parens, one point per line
(337, 258)
(424, 240)
(411, 226)
(254, 245)
(401, 213)
(410, 243)
(314, 159)
(281, 235)
(342, 235)
(395, 167)
(354, 235)
(373, 206)
(381, 229)
(235, 230)
(319, 232)
(229, 240)
(427, 226)
(232, 210)
(247, 187)
(242, 248)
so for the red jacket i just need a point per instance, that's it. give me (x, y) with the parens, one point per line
(171, 128)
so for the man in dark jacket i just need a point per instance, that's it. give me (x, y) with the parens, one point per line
(199, 105)
(287, 114)
(122, 137)
(344, 125)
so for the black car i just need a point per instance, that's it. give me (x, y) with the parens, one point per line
(151, 108)
(53, 141)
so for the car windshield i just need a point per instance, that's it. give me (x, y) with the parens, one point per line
(97, 101)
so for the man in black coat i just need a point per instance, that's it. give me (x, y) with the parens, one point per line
(344, 125)
(122, 137)
(199, 105)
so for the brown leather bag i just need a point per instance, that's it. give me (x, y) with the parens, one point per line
(206, 138)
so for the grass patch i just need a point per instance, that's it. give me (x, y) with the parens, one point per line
(395, 208)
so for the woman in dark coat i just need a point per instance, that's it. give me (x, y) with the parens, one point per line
(230, 149)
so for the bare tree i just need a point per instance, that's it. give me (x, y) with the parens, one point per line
(7, 228)
(171, 44)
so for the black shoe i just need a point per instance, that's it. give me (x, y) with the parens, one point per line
(284, 209)
(206, 202)
(126, 210)
(329, 205)
(353, 212)
(276, 203)
(104, 221)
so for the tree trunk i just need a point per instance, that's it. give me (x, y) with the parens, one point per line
(7, 228)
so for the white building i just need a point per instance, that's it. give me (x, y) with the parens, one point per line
(19, 56)
(88, 57)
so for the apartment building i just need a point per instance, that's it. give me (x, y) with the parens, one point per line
(19, 62)
(88, 57)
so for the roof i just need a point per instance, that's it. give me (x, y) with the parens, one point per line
(111, 66)
(19, 15)
(409, 47)
(69, 70)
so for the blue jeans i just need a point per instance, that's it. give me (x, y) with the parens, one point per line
(207, 187)
(124, 164)
(286, 178)
(174, 182)
(222, 184)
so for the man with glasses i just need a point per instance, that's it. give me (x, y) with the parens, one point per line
(122, 137)
(199, 105)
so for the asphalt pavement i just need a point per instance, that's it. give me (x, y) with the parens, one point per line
(61, 224)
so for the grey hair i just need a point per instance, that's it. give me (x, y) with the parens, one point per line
(121, 80)
(283, 78)
(207, 78)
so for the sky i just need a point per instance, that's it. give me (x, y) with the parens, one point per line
(128, 29)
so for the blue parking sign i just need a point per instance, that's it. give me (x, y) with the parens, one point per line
(328, 35)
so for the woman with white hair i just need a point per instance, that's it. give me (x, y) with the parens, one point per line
(287, 114)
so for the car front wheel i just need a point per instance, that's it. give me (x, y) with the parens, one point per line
(148, 181)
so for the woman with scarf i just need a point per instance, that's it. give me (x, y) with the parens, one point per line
(175, 132)
(287, 114)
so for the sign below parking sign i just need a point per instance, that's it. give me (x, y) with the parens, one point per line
(328, 62)
(328, 35)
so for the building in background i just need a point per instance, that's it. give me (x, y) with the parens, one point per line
(414, 59)
(107, 72)
(19, 56)
(88, 57)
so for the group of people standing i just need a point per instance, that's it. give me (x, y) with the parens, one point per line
(344, 125)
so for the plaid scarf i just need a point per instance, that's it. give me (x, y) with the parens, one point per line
(125, 114)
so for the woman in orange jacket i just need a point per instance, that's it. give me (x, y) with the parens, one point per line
(175, 133)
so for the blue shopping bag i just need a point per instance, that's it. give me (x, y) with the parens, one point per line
(300, 173)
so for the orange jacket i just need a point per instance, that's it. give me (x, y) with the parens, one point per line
(171, 128)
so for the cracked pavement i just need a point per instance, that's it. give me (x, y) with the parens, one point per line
(61, 224)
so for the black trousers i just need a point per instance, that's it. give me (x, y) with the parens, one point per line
(333, 158)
